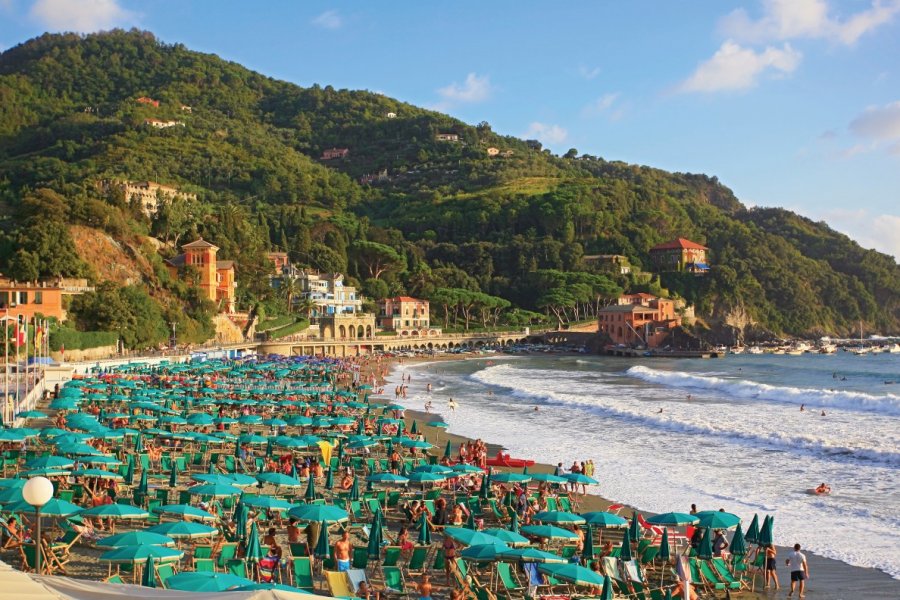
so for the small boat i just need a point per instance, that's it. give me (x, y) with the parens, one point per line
(504, 460)
(794, 351)
(755, 350)
(737, 349)
(892, 349)
(827, 349)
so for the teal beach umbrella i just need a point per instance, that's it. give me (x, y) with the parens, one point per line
(766, 535)
(705, 551)
(323, 548)
(625, 552)
(752, 534)
(587, 553)
(664, 545)
(254, 550)
(738, 546)
(634, 530)
(424, 531)
(310, 494)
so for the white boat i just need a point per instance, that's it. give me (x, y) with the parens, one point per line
(803, 346)
(737, 349)
(827, 349)
(778, 351)
(892, 349)
(794, 351)
(755, 350)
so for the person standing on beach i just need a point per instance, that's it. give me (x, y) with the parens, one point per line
(452, 405)
(799, 570)
(771, 574)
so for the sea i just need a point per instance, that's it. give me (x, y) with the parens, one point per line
(719, 433)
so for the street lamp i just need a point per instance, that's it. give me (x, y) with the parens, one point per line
(37, 492)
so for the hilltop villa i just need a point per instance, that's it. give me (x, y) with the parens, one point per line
(404, 315)
(216, 276)
(638, 320)
(680, 255)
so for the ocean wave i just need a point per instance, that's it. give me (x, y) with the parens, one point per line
(888, 404)
(535, 390)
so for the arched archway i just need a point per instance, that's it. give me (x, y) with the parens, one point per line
(360, 332)
(368, 331)
(342, 331)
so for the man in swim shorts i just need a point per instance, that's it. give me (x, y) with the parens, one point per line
(799, 570)
(342, 551)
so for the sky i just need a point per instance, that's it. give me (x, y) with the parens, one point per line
(791, 103)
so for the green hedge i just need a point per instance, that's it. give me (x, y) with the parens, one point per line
(288, 329)
(81, 340)
(276, 322)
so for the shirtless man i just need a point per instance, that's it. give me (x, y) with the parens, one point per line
(342, 552)
(425, 588)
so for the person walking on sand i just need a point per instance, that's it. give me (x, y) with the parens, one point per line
(799, 570)
(771, 574)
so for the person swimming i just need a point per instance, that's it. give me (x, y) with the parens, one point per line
(659, 411)
(802, 407)
(823, 489)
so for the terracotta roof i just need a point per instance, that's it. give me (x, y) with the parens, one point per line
(679, 243)
(406, 299)
(224, 264)
(176, 261)
(199, 243)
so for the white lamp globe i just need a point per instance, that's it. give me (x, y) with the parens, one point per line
(37, 491)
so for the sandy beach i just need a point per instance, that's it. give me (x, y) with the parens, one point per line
(830, 579)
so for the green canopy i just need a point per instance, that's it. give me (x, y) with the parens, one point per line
(738, 546)
(509, 477)
(134, 538)
(54, 508)
(185, 510)
(510, 538)
(207, 582)
(715, 519)
(215, 490)
(469, 537)
(319, 512)
(705, 551)
(116, 511)
(484, 552)
(530, 555)
(254, 551)
(673, 519)
(580, 478)
(605, 520)
(140, 553)
(266, 502)
(572, 573)
(559, 516)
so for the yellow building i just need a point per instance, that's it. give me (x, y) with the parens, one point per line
(216, 276)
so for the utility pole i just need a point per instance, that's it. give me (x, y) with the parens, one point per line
(174, 340)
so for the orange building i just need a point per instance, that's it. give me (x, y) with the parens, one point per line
(279, 261)
(30, 299)
(639, 320)
(404, 313)
(680, 255)
(216, 276)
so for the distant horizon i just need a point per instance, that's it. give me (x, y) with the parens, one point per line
(789, 103)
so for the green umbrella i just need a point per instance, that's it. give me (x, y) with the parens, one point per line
(705, 551)
(605, 520)
(97, 474)
(587, 552)
(243, 512)
(142, 484)
(173, 475)
(485, 490)
(530, 555)
(625, 552)
(53, 462)
(559, 516)
(510, 538)
(139, 443)
(424, 531)
(140, 553)
(484, 552)
(469, 537)
(129, 471)
(673, 519)
(149, 577)
(208, 582)
(606, 593)
(323, 548)
(470, 522)
(425, 478)
(580, 478)
(634, 529)
(572, 573)
(738, 546)
(354, 490)
(329, 479)
(310, 494)
(467, 468)
(376, 536)
(54, 508)
(134, 538)
(513, 522)
(510, 478)
(753, 530)
(215, 490)
(185, 510)
(319, 512)
(549, 532)
(116, 511)
(664, 545)
(715, 519)
(448, 451)
(387, 479)
(412, 430)
(254, 551)
(548, 478)
(766, 536)
(266, 502)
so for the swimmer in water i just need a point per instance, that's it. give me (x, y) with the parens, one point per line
(823, 413)
(802, 407)
(536, 409)
(428, 388)
(659, 411)
(689, 397)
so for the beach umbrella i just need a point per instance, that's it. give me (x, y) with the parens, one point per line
(185, 510)
(134, 538)
(193, 581)
(510, 538)
(605, 520)
(470, 521)
(254, 552)
(664, 545)
(548, 478)
(550, 532)
(530, 555)
(575, 574)
(485, 490)
(324, 513)
(116, 511)
(6, 484)
(426, 478)
(705, 550)
(329, 480)
(448, 450)
(559, 517)
(469, 537)
(11, 495)
(634, 529)
(140, 553)
(606, 593)
(387, 479)
(509, 477)
(438, 424)
(412, 430)
(376, 536)
(424, 531)
(323, 548)
(243, 512)
(580, 478)
(54, 508)
(715, 519)
(513, 522)
(173, 475)
(673, 519)
(50, 462)
(97, 474)
(310, 494)
(149, 577)
(738, 546)
(587, 553)
(266, 503)
(484, 552)
(467, 468)
(215, 490)
(766, 536)
(625, 552)
(139, 443)
(354, 490)
(436, 469)
(752, 534)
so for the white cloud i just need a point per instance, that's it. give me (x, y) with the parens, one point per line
(83, 16)
(878, 123)
(734, 67)
(881, 232)
(789, 19)
(588, 72)
(602, 105)
(548, 134)
(330, 19)
(474, 89)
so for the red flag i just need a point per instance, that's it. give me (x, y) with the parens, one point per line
(18, 335)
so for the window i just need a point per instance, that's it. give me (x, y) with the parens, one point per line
(23, 297)
(39, 297)
(4, 299)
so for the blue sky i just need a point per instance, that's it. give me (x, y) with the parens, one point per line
(792, 103)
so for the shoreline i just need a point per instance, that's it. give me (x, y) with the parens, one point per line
(830, 579)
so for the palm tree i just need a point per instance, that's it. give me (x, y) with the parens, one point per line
(290, 289)
(305, 306)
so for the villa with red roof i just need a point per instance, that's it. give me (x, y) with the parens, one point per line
(216, 277)
(680, 255)
(404, 315)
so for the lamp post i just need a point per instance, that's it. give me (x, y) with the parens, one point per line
(37, 492)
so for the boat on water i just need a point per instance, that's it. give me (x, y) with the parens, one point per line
(737, 349)
(755, 350)
(827, 349)
(794, 351)
(778, 351)
(892, 349)
(504, 460)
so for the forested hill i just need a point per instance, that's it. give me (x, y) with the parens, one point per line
(402, 212)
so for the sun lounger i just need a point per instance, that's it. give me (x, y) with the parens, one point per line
(393, 581)
(720, 568)
(391, 556)
(163, 572)
(302, 573)
(417, 560)
(339, 584)
(356, 577)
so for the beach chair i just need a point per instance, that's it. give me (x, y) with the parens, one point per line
(204, 565)
(698, 578)
(299, 549)
(393, 499)
(302, 573)
(649, 555)
(568, 551)
(393, 581)
(360, 558)
(67, 495)
(28, 554)
(13, 540)
(615, 508)
(507, 580)
(356, 510)
(226, 553)
(417, 560)
(552, 504)
(474, 506)
(462, 568)
(114, 579)
(237, 566)
(203, 551)
(163, 572)
(63, 547)
(720, 568)
(440, 560)
(339, 584)
(429, 504)
(391, 556)
(565, 504)
(230, 466)
(497, 511)
(356, 577)
(373, 506)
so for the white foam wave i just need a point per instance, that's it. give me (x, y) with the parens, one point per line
(888, 404)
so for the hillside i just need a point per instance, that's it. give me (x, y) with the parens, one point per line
(444, 220)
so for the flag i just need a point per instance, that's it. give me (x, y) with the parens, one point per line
(18, 337)
(38, 335)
